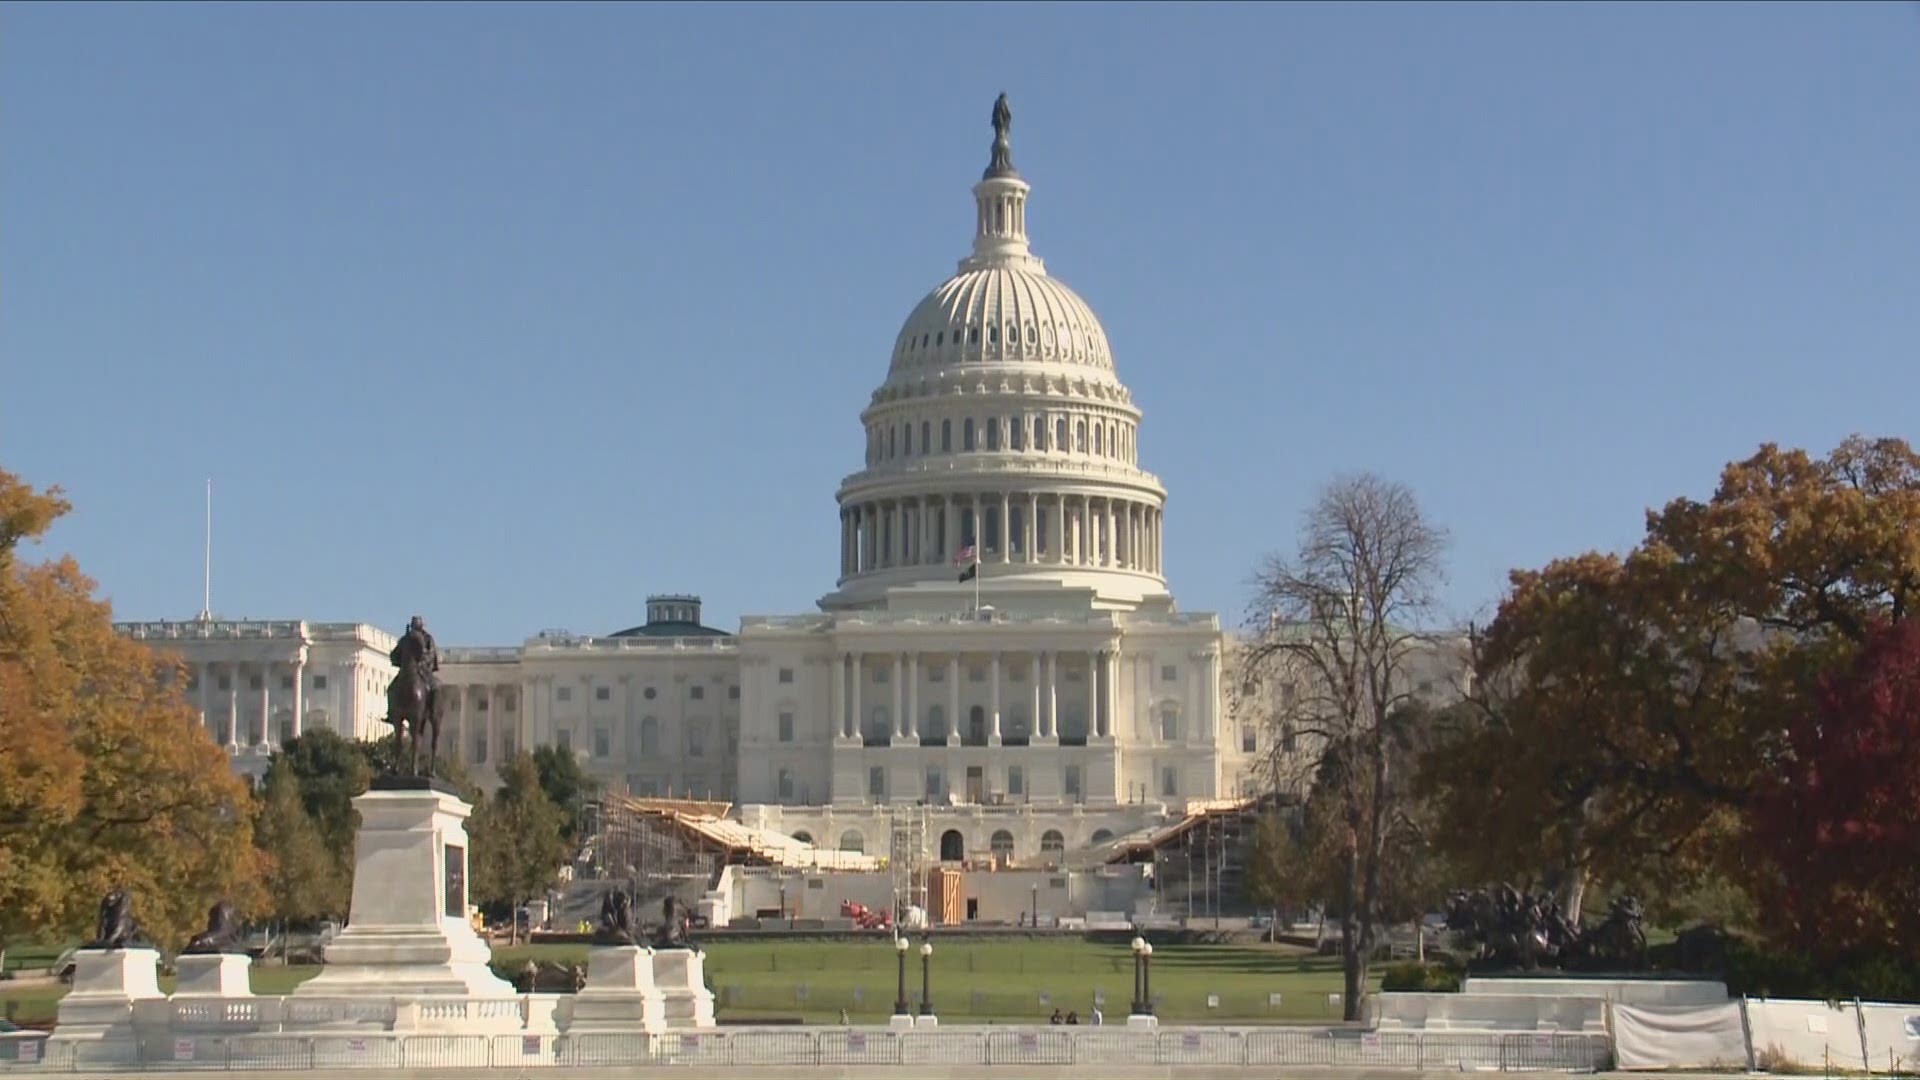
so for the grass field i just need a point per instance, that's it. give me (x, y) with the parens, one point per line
(1005, 981)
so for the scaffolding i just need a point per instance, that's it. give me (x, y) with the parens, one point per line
(907, 857)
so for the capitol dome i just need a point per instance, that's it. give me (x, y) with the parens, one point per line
(1001, 428)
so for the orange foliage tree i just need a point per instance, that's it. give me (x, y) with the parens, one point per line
(107, 779)
(1630, 709)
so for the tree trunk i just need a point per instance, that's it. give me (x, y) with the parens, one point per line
(1353, 944)
(1576, 894)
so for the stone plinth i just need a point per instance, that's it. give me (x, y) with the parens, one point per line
(681, 975)
(620, 994)
(213, 975)
(1142, 1021)
(107, 986)
(407, 933)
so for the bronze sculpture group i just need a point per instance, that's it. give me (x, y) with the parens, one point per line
(618, 928)
(116, 928)
(1512, 930)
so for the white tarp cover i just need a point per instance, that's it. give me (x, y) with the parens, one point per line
(1631, 991)
(1893, 1037)
(1679, 1037)
(1804, 1035)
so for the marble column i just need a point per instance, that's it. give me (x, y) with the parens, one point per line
(953, 700)
(1032, 528)
(910, 723)
(266, 705)
(1006, 527)
(993, 718)
(206, 701)
(899, 691)
(856, 673)
(1053, 694)
(299, 692)
(837, 696)
(1113, 539)
(1060, 531)
(1034, 730)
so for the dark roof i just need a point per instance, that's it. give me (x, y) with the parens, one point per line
(671, 629)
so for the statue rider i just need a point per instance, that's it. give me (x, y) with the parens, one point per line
(416, 652)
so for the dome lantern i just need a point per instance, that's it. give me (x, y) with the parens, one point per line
(1000, 199)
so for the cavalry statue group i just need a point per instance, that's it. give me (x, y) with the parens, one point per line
(1510, 929)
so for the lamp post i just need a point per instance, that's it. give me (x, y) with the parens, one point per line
(926, 977)
(900, 1005)
(1035, 924)
(1142, 977)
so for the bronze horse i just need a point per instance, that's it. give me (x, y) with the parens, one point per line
(413, 699)
(413, 706)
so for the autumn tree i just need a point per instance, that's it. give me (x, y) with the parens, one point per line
(107, 777)
(1338, 622)
(1632, 707)
(1836, 821)
(517, 838)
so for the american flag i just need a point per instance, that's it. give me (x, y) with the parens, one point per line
(965, 556)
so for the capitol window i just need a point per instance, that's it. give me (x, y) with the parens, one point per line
(993, 434)
(966, 434)
(319, 682)
(602, 743)
(946, 435)
(480, 705)
(563, 693)
(649, 693)
(649, 736)
(786, 784)
(1169, 724)
(1016, 782)
(1060, 434)
(286, 682)
(786, 674)
(877, 782)
(786, 727)
(926, 437)
(1169, 781)
(1169, 673)
(697, 693)
(602, 693)
(1249, 741)
(973, 336)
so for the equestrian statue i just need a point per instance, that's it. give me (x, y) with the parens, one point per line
(413, 699)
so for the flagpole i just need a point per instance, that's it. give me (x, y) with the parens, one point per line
(976, 578)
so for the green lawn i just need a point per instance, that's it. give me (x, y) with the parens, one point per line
(980, 981)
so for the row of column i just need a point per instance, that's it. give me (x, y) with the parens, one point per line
(849, 672)
(1019, 434)
(1033, 529)
(469, 720)
(211, 707)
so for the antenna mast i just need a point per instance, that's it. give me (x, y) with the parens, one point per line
(206, 580)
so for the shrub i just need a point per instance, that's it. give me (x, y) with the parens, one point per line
(1420, 978)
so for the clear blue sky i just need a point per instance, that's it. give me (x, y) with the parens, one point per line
(1548, 265)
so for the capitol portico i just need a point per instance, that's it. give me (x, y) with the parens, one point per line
(1000, 655)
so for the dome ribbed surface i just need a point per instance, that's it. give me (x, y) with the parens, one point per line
(1001, 315)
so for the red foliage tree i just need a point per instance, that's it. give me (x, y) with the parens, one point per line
(1839, 822)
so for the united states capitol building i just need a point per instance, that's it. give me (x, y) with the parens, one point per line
(1057, 701)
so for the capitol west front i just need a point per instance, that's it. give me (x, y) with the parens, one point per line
(1074, 703)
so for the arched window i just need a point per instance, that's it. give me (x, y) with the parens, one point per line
(851, 840)
(977, 726)
(966, 434)
(893, 440)
(1060, 434)
(906, 439)
(879, 724)
(1016, 434)
(926, 436)
(1096, 440)
(1101, 836)
(946, 436)
(936, 725)
(993, 434)
(803, 836)
(953, 846)
(1052, 843)
(649, 736)
(1169, 724)
(1001, 845)
(1039, 433)
(1080, 436)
